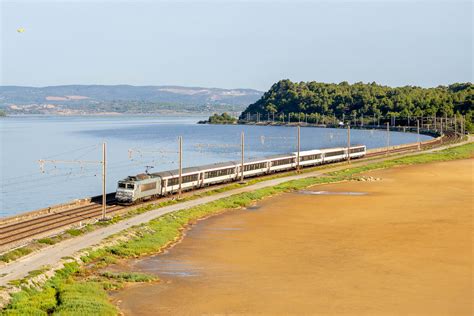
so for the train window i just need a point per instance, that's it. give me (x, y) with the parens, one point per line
(190, 178)
(121, 185)
(310, 157)
(282, 162)
(173, 181)
(219, 173)
(334, 153)
(185, 179)
(357, 150)
(255, 166)
(130, 186)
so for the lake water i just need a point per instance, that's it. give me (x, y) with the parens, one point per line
(132, 144)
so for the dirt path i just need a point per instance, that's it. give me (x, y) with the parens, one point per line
(52, 254)
(398, 246)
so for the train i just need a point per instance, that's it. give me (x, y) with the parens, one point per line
(150, 185)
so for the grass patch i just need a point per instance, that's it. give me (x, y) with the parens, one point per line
(62, 295)
(46, 241)
(129, 276)
(83, 298)
(74, 232)
(15, 254)
(67, 293)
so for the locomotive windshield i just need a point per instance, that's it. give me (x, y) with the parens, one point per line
(123, 185)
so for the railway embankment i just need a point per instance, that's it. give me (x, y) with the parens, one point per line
(160, 227)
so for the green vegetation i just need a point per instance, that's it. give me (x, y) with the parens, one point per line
(2, 113)
(322, 101)
(129, 276)
(74, 232)
(46, 241)
(63, 294)
(15, 254)
(72, 291)
(223, 118)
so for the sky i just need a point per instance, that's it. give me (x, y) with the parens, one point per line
(235, 43)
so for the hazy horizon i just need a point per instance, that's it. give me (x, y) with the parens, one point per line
(235, 44)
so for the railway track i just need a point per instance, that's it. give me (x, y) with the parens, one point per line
(14, 234)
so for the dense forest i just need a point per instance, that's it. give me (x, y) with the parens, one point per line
(319, 101)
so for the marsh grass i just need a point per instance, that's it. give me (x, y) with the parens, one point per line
(129, 276)
(70, 293)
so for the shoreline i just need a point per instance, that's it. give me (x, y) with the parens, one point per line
(402, 129)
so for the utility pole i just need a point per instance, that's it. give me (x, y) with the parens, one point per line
(289, 115)
(455, 127)
(418, 133)
(180, 171)
(388, 137)
(299, 147)
(242, 147)
(349, 143)
(104, 174)
(441, 128)
(362, 120)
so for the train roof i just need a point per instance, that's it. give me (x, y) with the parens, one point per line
(272, 157)
(339, 148)
(309, 152)
(333, 149)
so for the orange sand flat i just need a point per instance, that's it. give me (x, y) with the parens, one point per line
(405, 248)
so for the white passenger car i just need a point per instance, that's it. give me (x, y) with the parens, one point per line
(310, 157)
(282, 162)
(334, 154)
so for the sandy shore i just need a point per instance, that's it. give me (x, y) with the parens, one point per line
(402, 246)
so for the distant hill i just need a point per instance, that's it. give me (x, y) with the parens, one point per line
(321, 102)
(122, 98)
